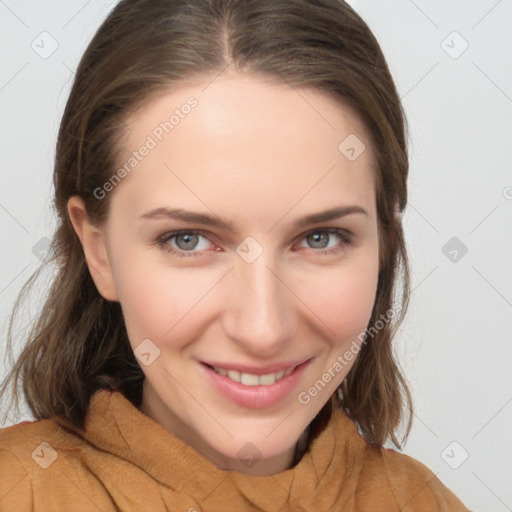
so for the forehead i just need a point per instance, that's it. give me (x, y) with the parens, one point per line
(244, 137)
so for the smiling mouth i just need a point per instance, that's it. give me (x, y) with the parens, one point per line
(259, 390)
(249, 379)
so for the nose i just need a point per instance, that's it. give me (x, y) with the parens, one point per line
(259, 313)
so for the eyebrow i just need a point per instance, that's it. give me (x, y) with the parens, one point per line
(216, 221)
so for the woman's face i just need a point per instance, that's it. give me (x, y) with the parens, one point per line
(254, 284)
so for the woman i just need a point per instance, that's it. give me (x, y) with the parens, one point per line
(230, 178)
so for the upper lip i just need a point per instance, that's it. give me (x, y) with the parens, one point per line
(257, 370)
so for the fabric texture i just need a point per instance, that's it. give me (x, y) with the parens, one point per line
(125, 461)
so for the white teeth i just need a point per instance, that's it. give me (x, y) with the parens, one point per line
(249, 380)
(233, 375)
(253, 380)
(267, 380)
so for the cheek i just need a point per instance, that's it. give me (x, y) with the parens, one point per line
(342, 300)
(158, 300)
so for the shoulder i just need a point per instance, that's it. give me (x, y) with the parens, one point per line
(409, 484)
(24, 444)
(14, 484)
(21, 447)
(30, 442)
(41, 467)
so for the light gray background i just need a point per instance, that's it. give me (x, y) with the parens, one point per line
(455, 345)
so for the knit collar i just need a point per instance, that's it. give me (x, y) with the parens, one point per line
(327, 473)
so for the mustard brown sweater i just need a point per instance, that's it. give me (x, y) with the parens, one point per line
(125, 461)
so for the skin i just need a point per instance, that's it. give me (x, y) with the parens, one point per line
(261, 156)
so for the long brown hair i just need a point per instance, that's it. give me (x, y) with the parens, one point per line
(79, 343)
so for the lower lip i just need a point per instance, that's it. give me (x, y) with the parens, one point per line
(255, 397)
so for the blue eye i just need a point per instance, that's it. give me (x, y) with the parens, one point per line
(321, 236)
(183, 244)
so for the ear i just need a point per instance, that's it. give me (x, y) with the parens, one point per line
(95, 250)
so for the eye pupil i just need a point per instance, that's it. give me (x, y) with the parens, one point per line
(188, 237)
(317, 238)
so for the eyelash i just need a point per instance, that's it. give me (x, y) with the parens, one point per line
(345, 237)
